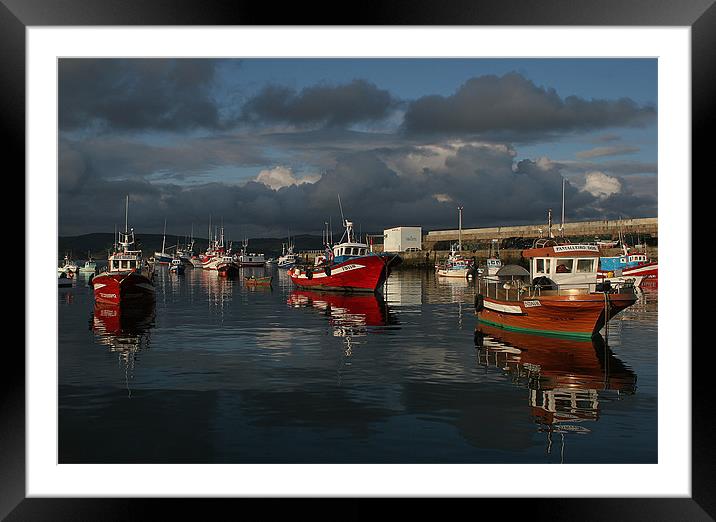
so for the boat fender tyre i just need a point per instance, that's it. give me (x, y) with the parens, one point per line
(479, 303)
(309, 274)
(328, 270)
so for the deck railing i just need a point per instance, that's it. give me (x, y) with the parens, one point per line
(518, 290)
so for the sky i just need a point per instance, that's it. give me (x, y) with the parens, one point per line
(266, 146)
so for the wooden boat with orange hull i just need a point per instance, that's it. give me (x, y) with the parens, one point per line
(561, 297)
(579, 315)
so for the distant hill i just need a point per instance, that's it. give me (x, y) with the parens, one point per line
(98, 244)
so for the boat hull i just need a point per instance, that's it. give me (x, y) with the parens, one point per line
(453, 272)
(581, 315)
(360, 274)
(162, 259)
(120, 287)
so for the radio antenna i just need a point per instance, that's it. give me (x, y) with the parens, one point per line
(343, 219)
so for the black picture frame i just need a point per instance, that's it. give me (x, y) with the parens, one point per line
(17, 15)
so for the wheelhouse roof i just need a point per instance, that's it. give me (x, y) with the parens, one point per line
(562, 251)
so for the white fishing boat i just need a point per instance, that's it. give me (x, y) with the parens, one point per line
(287, 259)
(456, 265)
(246, 258)
(177, 266)
(162, 257)
(90, 266)
(493, 263)
(68, 266)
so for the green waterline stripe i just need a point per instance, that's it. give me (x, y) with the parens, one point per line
(549, 333)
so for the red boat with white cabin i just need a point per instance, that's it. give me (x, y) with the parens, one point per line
(127, 278)
(350, 266)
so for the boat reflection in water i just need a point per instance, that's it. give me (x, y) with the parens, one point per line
(350, 315)
(124, 329)
(566, 378)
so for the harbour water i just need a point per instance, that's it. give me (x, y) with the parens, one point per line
(217, 372)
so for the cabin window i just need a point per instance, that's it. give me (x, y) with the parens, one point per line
(585, 266)
(564, 266)
(541, 266)
(132, 264)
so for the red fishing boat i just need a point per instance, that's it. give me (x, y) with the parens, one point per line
(226, 266)
(127, 277)
(561, 297)
(350, 266)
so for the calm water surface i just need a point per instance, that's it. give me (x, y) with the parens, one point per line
(216, 372)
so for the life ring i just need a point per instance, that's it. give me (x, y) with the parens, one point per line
(328, 270)
(309, 274)
(479, 302)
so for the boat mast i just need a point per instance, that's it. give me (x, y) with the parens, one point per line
(164, 238)
(459, 232)
(561, 226)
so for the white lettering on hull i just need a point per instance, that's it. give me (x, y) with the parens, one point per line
(530, 304)
(337, 271)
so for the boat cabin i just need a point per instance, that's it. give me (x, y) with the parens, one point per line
(350, 248)
(572, 265)
(493, 265)
(126, 260)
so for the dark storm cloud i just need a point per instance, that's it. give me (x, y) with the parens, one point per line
(107, 158)
(329, 105)
(493, 189)
(620, 168)
(513, 106)
(137, 94)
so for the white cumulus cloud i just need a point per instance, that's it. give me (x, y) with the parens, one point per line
(279, 177)
(600, 185)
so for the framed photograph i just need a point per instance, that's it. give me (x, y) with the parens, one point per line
(411, 257)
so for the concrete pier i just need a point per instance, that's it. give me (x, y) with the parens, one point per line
(606, 229)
